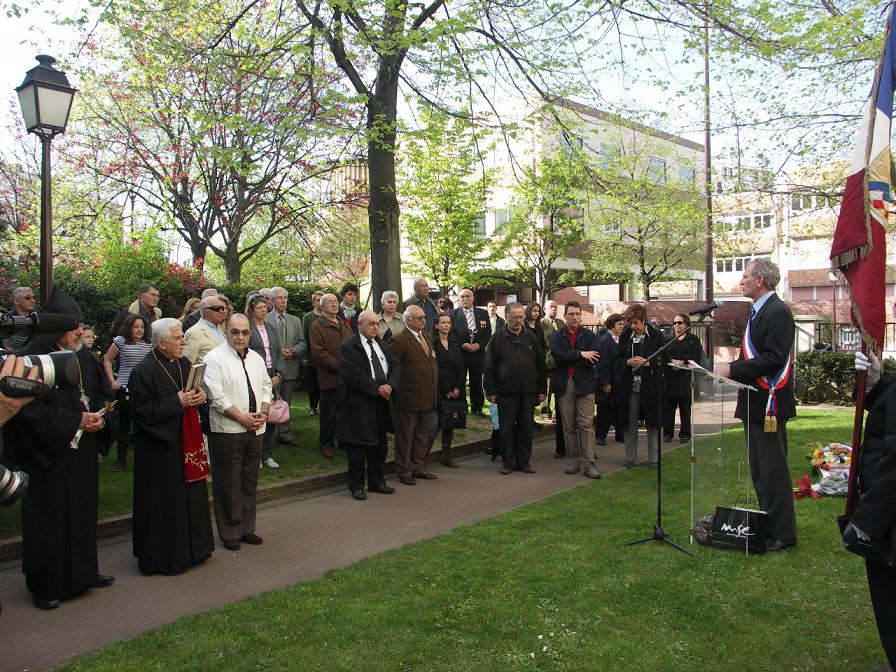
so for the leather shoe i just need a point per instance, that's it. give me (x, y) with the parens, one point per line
(328, 453)
(559, 456)
(252, 539)
(426, 475)
(629, 465)
(407, 480)
(667, 439)
(778, 545)
(232, 544)
(360, 495)
(382, 489)
(292, 441)
(574, 469)
(505, 470)
(103, 581)
(527, 469)
(44, 602)
(600, 442)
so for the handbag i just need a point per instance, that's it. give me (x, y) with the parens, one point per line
(879, 551)
(739, 529)
(278, 411)
(454, 414)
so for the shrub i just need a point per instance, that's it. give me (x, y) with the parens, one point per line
(830, 376)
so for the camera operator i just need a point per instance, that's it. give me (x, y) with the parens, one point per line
(55, 439)
(9, 406)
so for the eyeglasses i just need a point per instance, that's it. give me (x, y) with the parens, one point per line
(677, 322)
(237, 332)
(217, 309)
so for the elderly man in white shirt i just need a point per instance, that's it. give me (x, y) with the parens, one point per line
(239, 391)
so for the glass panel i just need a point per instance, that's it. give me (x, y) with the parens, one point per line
(54, 107)
(29, 110)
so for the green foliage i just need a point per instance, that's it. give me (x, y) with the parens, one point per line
(642, 221)
(545, 218)
(445, 187)
(830, 376)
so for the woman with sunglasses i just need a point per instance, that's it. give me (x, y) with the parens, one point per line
(686, 346)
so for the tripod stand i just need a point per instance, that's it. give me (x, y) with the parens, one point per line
(658, 533)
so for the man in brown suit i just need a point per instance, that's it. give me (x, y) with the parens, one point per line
(326, 334)
(416, 397)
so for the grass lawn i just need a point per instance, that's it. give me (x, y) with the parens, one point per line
(549, 587)
(116, 489)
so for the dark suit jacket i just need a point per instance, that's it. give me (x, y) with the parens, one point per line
(772, 336)
(358, 391)
(419, 372)
(462, 332)
(256, 344)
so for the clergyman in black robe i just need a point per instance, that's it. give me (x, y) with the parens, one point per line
(59, 508)
(172, 527)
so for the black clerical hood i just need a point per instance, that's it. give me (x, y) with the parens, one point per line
(59, 303)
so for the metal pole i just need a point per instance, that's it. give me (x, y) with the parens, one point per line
(46, 223)
(834, 320)
(709, 280)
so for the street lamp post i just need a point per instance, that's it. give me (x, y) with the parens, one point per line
(832, 276)
(46, 100)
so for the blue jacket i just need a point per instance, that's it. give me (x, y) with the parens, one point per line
(566, 356)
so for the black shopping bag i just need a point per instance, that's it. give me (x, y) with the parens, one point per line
(740, 529)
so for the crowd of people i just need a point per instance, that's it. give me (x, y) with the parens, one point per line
(367, 375)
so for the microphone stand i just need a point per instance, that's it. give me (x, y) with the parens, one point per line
(658, 533)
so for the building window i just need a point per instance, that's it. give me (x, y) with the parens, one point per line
(800, 201)
(480, 225)
(687, 174)
(502, 216)
(656, 170)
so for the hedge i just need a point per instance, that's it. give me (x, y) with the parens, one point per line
(829, 377)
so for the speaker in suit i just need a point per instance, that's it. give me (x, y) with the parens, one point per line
(771, 332)
(416, 396)
(290, 333)
(472, 344)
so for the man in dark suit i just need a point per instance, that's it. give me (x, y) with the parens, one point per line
(765, 363)
(416, 398)
(368, 376)
(472, 328)
(495, 321)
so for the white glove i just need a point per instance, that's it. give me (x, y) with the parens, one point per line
(870, 364)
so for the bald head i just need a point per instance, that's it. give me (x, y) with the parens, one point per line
(368, 324)
(414, 318)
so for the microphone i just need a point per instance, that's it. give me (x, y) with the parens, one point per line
(37, 323)
(703, 310)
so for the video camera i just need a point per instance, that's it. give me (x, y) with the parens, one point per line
(54, 370)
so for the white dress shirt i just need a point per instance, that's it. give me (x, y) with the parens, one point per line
(225, 386)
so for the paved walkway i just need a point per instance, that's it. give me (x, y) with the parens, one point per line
(303, 540)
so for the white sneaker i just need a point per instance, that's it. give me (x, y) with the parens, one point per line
(270, 464)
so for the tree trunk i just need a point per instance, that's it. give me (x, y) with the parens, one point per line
(383, 210)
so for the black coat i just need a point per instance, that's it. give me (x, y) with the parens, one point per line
(59, 508)
(607, 347)
(875, 511)
(623, 376)
(451, 366)
(514, 366)
(172, 528)
(678, 382)
(358, 392)
(461, 332)
(772, 336)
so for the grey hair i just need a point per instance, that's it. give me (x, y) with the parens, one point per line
(768, 270)
(207, 301)
(162, 328)
(19, 291)
(211, 291)
(276, 290)
(327, 296)
(513, 306)
(387, 295)
(407, 316)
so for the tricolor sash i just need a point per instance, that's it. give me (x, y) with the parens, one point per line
(770, 383)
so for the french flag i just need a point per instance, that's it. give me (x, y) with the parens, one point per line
(859, 246)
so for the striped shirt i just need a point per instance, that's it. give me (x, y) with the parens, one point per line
(129, 356)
